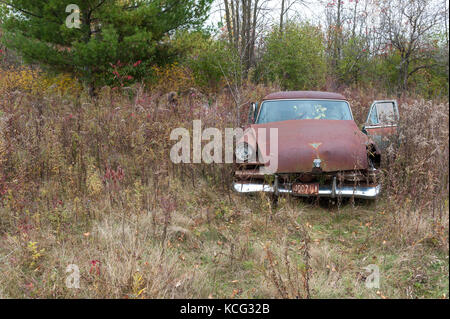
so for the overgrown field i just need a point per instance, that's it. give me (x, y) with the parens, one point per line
(90, 182)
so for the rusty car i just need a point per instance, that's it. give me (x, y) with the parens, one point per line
(320, 149)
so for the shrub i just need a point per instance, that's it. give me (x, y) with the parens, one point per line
(353, 67)
(214, 63)
(172, 77)
(30, 80)
(295, 59)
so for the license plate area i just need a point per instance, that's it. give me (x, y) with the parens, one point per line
(305, 189)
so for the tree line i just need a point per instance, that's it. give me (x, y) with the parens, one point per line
(398, 45)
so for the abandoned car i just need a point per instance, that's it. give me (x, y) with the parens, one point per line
(320, 150)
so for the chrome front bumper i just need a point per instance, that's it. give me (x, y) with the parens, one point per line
(368, 192)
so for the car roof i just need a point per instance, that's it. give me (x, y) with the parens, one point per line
(304, 95)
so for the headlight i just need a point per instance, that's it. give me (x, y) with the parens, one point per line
(244, 152)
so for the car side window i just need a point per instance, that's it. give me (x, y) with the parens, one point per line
(386, 112)
(373, 118)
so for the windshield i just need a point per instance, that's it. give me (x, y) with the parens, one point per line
(283, 110)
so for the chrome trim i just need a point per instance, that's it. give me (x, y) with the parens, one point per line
(380, 126)
(368, 192)
(333, 188)
(317, 162)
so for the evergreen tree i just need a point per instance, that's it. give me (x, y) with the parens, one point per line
(46, 32)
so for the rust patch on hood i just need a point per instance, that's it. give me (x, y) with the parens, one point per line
(337, 145)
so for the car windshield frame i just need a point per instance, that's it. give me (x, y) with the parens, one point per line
(329, 100)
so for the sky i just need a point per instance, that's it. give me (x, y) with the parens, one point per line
(313, 10)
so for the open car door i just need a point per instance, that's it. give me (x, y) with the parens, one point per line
(382, 121)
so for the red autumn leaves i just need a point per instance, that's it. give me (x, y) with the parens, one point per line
(114, 176)
(118, 68)
(95, 267)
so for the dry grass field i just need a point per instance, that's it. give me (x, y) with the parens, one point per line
(90, 182)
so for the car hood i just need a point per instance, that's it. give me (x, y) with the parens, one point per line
(339, 145)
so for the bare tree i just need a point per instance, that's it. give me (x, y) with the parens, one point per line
(333, 21)
(282, 16)
(287, 5)
(407, 26)
(446, 21)
(241, 17)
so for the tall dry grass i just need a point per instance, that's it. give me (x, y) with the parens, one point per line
(89, 182)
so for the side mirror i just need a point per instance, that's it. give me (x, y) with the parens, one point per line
(252, 112)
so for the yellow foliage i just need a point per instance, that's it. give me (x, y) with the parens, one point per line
(35, 253)
(173, 78)
(138, 285)
(64, 84)
(26, 79)
(21, 79)
(94, 183)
